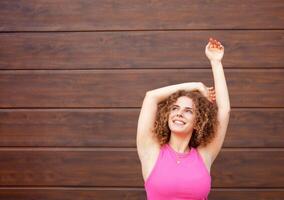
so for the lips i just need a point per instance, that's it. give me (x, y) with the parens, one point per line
(178, 122)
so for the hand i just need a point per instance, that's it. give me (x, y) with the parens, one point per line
(208, 92)
(214, 50)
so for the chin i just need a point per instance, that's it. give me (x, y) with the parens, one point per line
(178, 130)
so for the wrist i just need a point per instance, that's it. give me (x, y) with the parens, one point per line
(215, 61)
(216, 64)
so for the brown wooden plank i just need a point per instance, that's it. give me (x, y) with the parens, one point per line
(146, 49)
(117, 127)
(71, 167)
(92, 127)
(43, 15)
(131, 194)
(115, 88)
(255, 128)
(248, 168)
(73, 194)
(260, 168)
(246, 194)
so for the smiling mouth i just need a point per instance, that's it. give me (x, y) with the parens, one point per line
(178, 122)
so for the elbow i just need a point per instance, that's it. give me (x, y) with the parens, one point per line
(228, 108)
(224, 109)
(229, 111)
(223, 115)
(149, 94)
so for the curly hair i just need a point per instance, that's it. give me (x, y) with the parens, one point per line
(205, 122)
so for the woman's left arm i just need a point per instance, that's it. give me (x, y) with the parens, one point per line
(214, 52)
(221, 89)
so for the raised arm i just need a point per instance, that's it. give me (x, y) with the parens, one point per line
(221, 90)
(214, 52)
(146, 139)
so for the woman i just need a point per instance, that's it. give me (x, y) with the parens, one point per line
(181, 129)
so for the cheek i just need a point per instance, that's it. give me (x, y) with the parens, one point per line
(171, 115)
(169, 118)
(189, 116)
(172, 112)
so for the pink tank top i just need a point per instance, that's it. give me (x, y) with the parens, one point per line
(188, 179)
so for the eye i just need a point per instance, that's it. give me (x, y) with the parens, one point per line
(188, 111)
(174, 108)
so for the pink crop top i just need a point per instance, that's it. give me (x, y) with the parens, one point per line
(170, 179)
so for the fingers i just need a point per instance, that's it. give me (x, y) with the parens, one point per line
(211, 89)
(212, 95)
(215, 44)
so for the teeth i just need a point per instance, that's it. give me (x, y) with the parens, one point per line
(178, 122)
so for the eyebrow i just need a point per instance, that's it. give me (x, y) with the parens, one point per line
(179, 106)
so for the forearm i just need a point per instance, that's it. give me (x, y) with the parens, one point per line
(221, 90)
(161, 94)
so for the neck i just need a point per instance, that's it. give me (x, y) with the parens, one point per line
(179, 142)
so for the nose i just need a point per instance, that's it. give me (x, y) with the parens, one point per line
(179, 114)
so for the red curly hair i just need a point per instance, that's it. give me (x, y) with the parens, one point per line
(205, 122)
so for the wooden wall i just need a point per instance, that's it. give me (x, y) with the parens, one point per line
(73, 74)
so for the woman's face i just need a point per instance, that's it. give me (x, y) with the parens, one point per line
(182, 114)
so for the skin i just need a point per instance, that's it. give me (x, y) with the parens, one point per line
(180, 135)
(181, 111)
(147, 144)
(214, 50)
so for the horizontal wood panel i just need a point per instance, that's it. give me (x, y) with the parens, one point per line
(145, 49)
(57, 127)
(131, 194)
(70, 168)
(246, 194)
(248, 168)
(70, 194)
(117, 127)
(43, 15)
(126, 88)
(121, 167)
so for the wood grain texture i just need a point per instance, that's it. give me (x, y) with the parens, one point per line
(247, 194)
(117, 128)
(73, 75)
(120, 167)
(73, 194)
(69, 15)
(129, 194)
(71, 167)
(115, 88)
(136, 50)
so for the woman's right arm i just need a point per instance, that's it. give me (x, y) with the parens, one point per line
(146, 139)
(161, 94)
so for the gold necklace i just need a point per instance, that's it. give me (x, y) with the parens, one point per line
(178, 156)
(177, 161)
